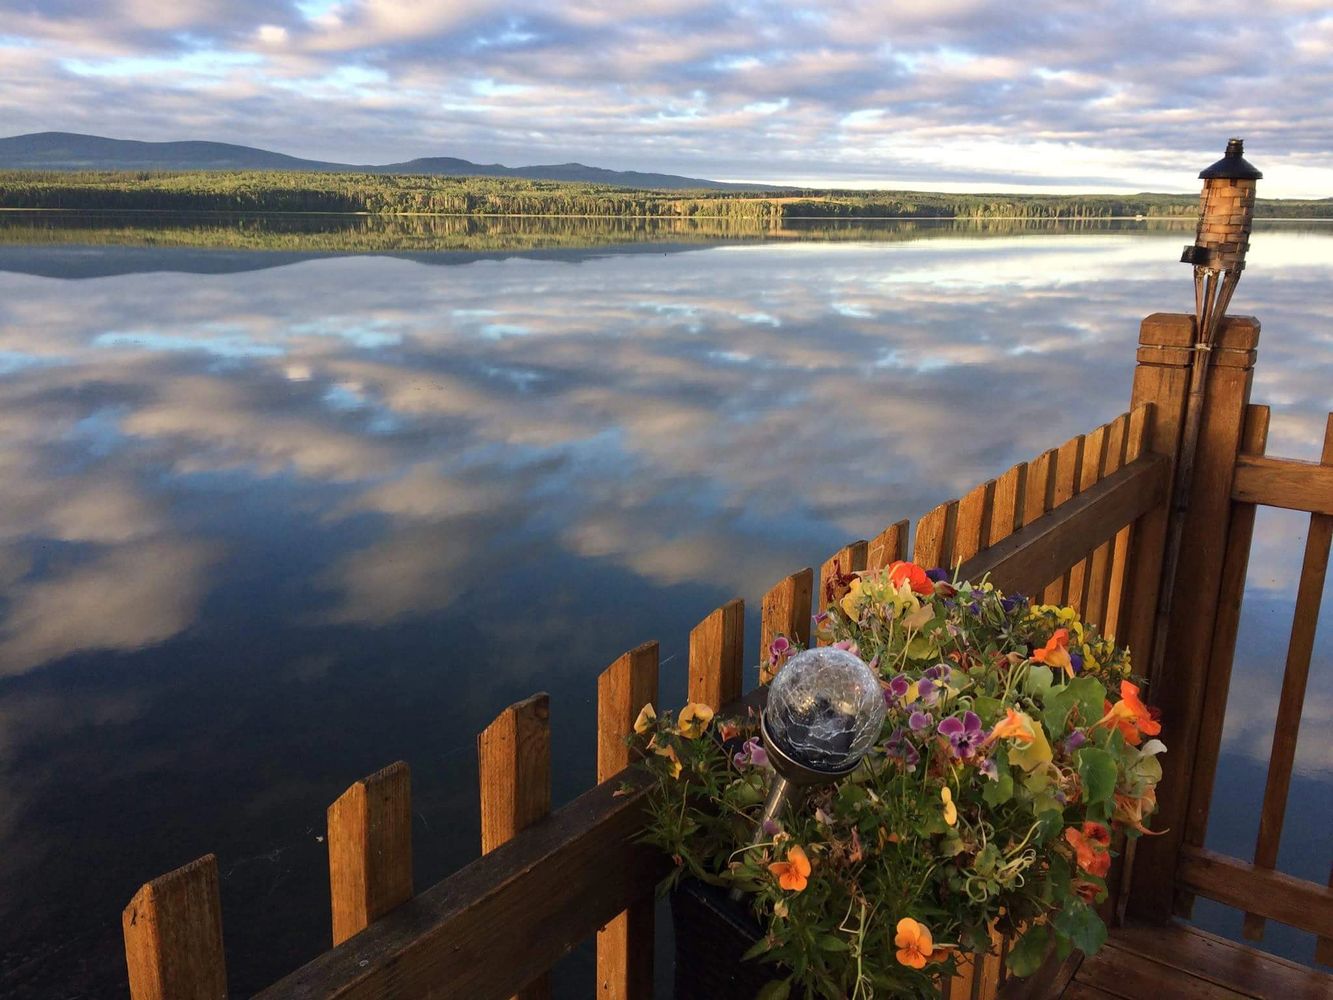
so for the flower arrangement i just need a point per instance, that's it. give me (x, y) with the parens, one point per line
(1014, 744)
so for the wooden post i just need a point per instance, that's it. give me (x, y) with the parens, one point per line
(514, 762)
(1179, 679)
(716, 656)
(370, 850)
(625, 944)
(933, 545)
(173, 936)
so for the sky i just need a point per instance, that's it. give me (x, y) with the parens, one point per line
(926, 94)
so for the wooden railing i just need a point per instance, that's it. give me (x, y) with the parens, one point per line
(1084, 524)
(1057, 527)
(1256, 888)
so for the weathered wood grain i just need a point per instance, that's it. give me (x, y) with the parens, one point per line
(716, 652)
(173, 936)
(370, 849)
(625, 944)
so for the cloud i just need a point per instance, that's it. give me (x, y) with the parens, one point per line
(123, 599)
(1129, 96)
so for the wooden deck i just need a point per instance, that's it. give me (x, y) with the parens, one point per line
(1142, 962)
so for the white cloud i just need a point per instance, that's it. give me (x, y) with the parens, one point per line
(951, 95)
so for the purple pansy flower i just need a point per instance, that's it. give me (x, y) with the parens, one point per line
(898, 746)
(1075, 663)
(752, 754)
(1074, 740)
(989, 769)
(963, 733)
(918, 721)
(938, 575)
(898, 687)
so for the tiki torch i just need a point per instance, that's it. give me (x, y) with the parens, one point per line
(1226, 213)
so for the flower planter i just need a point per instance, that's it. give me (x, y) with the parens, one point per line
(713, 933)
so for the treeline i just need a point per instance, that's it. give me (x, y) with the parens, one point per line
(341, 233)
(387, 194)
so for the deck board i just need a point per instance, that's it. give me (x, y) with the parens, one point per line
(1142, 962)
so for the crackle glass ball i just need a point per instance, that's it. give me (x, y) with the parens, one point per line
(825, 709)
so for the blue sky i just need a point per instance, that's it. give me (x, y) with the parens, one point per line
(943, 94)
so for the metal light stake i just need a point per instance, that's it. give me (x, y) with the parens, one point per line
(825, 710)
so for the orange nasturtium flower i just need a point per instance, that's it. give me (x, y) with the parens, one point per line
(794, 872)
(647, 717)
(694, 719)
(1092, 847)
(1055, 653)
(914, 576)
(1131, 716)
(1014, 726)
(915, 946)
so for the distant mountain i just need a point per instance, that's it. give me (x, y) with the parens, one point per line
(72, 151)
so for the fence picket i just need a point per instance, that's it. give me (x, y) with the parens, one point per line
(1090, 473)
(716, 653)
(1099, 564)
(625, 944)
(933, 546)
(1007, 506)
(514, 765)
(890, 545)
(370, 850)
(1138, 442)
(1064, 483)
(848, 559)
(173, 936)
(785, 610)
(974, 516)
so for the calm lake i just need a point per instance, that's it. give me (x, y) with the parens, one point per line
(271, 519)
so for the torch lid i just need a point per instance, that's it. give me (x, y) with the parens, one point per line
(1232, 166)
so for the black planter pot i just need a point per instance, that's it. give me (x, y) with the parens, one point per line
(712, 933)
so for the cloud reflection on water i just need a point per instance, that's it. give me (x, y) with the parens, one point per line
(470, 480)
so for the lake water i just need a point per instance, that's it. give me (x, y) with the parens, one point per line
(272, 519)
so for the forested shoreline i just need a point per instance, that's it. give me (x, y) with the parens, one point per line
(381, 194)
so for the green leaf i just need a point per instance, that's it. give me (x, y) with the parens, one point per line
(1079, 922)
(989, 709)
(1090, 695)
(760, 947)
(1027, 955)
(775, 989)
(1001, 790)
(1038, 682)
(831, 942)
(1098, 771)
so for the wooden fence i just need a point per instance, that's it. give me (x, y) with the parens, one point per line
(1083, 523)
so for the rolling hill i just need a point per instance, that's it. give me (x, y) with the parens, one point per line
(73, 151)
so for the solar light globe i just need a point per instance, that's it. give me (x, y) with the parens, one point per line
(825, 709)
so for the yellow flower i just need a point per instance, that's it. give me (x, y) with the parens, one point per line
(669, 752)
(647, 717)
(950, 809)
(851, 598)
(694, 719)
